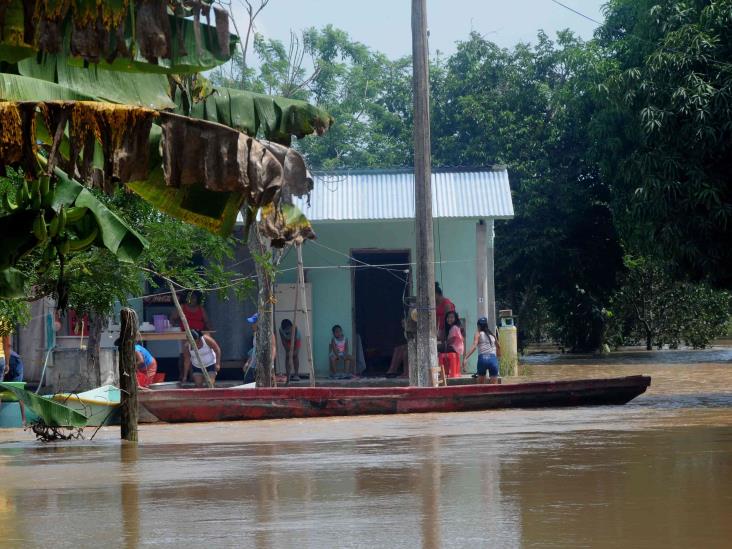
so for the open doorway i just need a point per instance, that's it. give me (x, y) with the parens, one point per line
(378, 309)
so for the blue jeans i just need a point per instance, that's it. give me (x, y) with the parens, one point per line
(488, 363)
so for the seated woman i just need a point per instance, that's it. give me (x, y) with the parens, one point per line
(454, 342)
(338, 351)
(210, 354)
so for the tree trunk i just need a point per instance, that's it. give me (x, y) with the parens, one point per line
(93, 367)
(649, 341)
(263, 337)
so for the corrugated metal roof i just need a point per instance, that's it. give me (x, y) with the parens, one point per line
(389, 194)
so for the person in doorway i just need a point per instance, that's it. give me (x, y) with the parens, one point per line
(147, 366)
(454, 342)
(488, 350)
(197, 320)
(286, 330)
(210, 357)
(442, 306)
(338, 352)
(251, 362)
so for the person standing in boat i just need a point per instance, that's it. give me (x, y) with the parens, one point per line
(210, 354)
(197, 320)
(488, 352)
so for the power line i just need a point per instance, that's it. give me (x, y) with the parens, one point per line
(565, 6)
(659, 45)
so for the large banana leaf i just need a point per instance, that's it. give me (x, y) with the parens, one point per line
(278, 118)
(15, 87)
(145, 90)
(117, 236)
(52, 413)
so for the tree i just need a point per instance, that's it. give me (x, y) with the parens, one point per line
(665, 135)
(531, 108)
(653, 307)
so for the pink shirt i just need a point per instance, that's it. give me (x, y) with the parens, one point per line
(455, 340)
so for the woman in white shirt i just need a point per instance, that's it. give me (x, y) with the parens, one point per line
(210, 354)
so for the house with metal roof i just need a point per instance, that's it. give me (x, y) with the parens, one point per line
(360, 268)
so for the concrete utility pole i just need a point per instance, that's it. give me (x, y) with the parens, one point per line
(426, 328)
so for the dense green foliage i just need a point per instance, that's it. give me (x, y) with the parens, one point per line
(615, 146)
(667, 132)
(653, 308)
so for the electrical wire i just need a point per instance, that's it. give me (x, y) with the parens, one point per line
(722, 64)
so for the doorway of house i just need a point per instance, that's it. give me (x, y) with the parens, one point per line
(378, 294)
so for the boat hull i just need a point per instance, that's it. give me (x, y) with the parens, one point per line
(202, 405)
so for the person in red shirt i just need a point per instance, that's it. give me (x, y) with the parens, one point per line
(443, 306)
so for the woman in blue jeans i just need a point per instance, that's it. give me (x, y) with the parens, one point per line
(488, 350)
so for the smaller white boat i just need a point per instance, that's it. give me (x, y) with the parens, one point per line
(100, 406)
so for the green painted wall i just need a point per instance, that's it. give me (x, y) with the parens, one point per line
(331, 286)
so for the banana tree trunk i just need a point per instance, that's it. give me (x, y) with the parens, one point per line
(264, 355)
(93, 367)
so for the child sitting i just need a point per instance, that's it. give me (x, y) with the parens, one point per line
(338, 351)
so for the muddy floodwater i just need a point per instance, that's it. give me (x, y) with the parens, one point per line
(654, 473)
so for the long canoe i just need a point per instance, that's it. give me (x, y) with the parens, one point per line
(197, 405)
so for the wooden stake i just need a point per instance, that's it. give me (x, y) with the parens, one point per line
(425, 251)
(293, 335)
(128, 374)
(303, 295)
(189, 335)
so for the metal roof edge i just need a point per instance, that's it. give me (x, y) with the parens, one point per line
(407, 170)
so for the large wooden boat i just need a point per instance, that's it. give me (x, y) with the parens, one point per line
(194, 405)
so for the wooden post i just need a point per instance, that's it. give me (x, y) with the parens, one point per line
(189, 336)
(481, 268)
(425, 251)
(293, 335)
(128, 374)
(490, 280)
(303, 297)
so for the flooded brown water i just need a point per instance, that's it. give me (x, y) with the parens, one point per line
(654, 473)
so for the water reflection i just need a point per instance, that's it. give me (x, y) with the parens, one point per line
(653, 473)
(130, 508)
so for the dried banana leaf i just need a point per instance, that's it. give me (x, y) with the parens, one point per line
(285, 225)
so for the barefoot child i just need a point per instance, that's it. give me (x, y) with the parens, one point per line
(338, 351)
